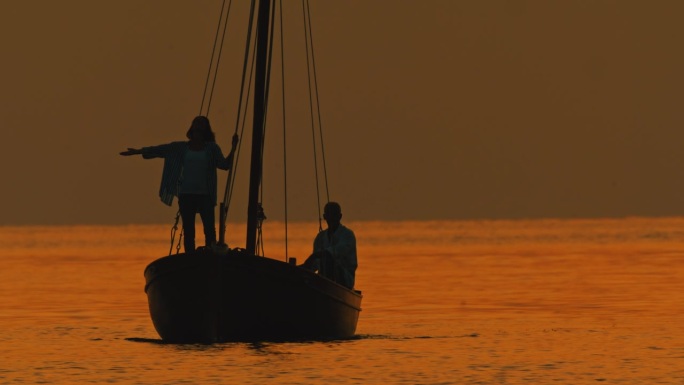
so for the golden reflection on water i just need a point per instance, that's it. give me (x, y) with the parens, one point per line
(444, 302)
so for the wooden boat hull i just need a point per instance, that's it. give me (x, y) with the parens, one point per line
(207, 297)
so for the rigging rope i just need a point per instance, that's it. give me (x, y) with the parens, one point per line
(243, 105)
(229, 192)
(173, 234)
(230, 182)
(212, 69)
(310, 62)
(282, 75)
(318, 105)
(218, 60)
(208, 92)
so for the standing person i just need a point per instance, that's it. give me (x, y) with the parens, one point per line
(190, 174)
(334, 250)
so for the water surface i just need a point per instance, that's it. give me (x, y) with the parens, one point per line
(450, 302)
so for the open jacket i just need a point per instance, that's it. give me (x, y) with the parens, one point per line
(174, 154)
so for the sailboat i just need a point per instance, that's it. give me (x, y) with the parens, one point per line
(236, 295)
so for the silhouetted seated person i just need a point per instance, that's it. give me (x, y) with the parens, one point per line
(334, 254)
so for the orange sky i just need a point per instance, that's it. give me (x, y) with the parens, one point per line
(431, 109)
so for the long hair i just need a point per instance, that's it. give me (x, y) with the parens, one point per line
(201, 123)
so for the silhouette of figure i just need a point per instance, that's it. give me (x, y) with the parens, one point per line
(190, 174)
(334, 249)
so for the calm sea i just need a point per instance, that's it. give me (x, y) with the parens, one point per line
(482, 302)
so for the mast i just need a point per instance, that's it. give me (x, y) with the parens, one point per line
(259, 122)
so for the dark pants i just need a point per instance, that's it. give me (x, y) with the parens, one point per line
(189, 205)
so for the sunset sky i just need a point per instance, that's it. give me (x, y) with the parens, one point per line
(431, 109)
